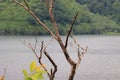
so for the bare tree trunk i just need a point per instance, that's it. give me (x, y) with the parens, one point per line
(73, 71)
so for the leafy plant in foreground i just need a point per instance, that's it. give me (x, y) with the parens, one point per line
(36, 72)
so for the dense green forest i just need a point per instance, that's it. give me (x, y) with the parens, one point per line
(95, 17)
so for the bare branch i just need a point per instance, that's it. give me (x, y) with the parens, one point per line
(40, 60)
(69, 32)
(75, 41)
(35, 45)
(41, 50)
(52, 17)
(75, 66)
(80, 55)
(37, 19)
(26, 4)
(48, 43)
(52, 72)
(33, 49)
(53, 63)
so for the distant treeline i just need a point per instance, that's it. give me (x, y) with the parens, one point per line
(95, 17)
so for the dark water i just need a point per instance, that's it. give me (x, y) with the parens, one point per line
(102, 61)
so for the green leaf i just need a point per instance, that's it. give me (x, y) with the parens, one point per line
(32, 66)
(29, 78)
(37, 76)
(41, 76)
(36, 72)
(25, 74)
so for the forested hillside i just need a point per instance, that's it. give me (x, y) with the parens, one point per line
(109, 8)
(92, 19)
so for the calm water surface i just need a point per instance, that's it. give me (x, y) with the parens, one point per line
(102, 61)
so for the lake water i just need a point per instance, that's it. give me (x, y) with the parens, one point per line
(101, 62)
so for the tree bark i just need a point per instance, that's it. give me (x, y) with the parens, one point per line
(73, 72)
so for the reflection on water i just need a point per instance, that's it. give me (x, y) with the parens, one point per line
(102, 61)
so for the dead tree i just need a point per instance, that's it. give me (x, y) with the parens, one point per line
(55, 35)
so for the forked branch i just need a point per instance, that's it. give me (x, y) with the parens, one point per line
(51, 73)
(40, 59)
(33, 14)
(50, 5)
(71, 27)
(26, 4)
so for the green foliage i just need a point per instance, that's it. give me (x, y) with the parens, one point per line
(36, 72)
(95, 17)
(109, 8)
